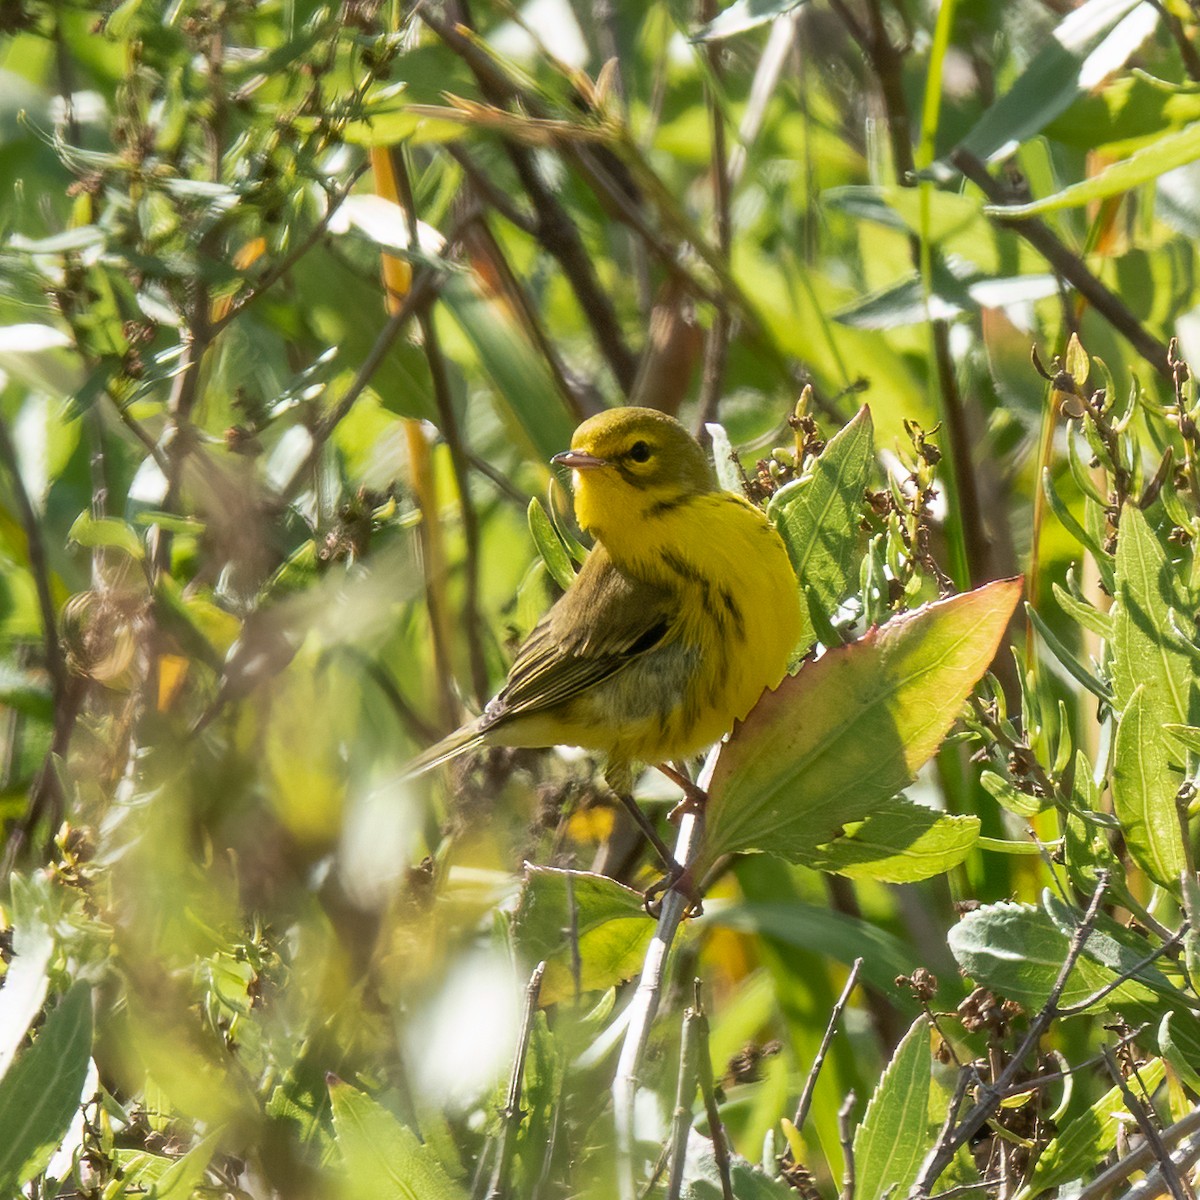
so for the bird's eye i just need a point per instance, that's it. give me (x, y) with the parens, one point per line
(639, 452)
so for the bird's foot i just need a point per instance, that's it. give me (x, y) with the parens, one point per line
(677, 879)
(694, 798)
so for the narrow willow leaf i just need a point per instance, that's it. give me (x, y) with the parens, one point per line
(896, 1132)
(1091, 40)
(554, 554)
(380, 1158)
(1082, 1144)
(1077, 531)
(1171, 150)
(107, 532)
(1009, 797)
(1144, 786)
(818, 517)
(901, 843)
(1069, 662)
(835, 742)
(1180, 1043)
(40, 1093)
(743, 15)
(608, 921)
(1099, 623)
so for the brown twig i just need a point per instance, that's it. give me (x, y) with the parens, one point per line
(554, 228)
(1139, 1159)
(810, 1084)
(846, 1137)
(1068, 264)
(1149, 1130)
(942, 1154)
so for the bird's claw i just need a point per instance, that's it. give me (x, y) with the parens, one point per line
(677, 879)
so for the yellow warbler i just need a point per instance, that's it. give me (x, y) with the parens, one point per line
(684, 612)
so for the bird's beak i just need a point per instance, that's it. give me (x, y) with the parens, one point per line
(577, 460)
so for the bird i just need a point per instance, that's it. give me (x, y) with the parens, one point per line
(684, 612)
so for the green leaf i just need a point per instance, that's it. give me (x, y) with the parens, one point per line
(1099, 623)
(1018, 951)
(40, 1093)
(818, 517)
(902, 842)
(380, 1158)
(107, 532)
(1069, 662)
(1059, 73)
(1169, 151)
(1009, 797)
(896, 1133)
(836, 741)
(1147, 651)
(609, 921)
(742, 15)
(1180, 1044)
(546, 539)
(1080, 1147)
(1144, 786)
(702, 1180)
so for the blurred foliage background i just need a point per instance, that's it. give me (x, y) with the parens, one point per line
(296, 302)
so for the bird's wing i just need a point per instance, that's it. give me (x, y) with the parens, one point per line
(603, 622)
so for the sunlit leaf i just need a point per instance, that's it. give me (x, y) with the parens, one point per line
(837, 740)
(742, 15)
(380, 1158)
(896, 1132)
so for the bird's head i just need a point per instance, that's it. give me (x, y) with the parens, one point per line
(629, 463)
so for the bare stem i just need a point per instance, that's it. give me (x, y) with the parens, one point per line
(513, 1113)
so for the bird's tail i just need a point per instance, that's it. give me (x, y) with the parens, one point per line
(456, 743)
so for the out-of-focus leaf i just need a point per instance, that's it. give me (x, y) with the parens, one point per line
(545, 538)
(107, 532)
(896, 1132)
(1125, 112)
(608, 919)
(1089, 43)
(25, 980)
(818, 517)
(724, 458)
(1179, 1042)
(380, 1158)
(1083, 1142)
(1144, 786)
(1170, 151)
(742, 15)
(28, 694)
(40, 1093)
(900, 843)
(836, 741)
(824, 932)
(39, 356)
(519, 375)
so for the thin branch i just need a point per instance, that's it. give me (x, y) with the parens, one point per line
(554, 229)
(1069, 265)
(1140, 1159)
(512, 1113)
(1149, 1130)
(1151, 1187)
(716, 1128)
(273, 275)
(846, 1137)
(1099, 994)
(685, 1089)
(942, 1154)
(644, 1005)
(810, 1084)
(425, 282)
(490, 192)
